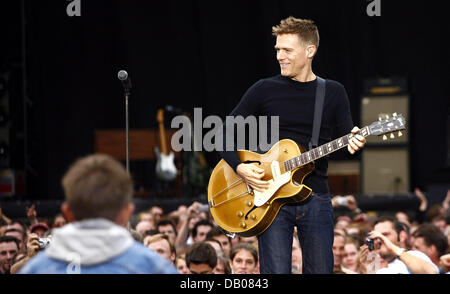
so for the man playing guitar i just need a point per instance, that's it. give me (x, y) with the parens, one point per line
(291, 97)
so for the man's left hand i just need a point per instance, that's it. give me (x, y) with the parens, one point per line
(389, 245)
(356, 142)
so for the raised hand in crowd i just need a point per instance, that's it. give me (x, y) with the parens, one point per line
(4, 217)
(347, 201)
(31, 214)
(423, 200)
(445, 262)
(185, 219)
(33, 248)
(446, 203)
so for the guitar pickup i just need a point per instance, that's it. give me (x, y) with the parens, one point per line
(275, 166)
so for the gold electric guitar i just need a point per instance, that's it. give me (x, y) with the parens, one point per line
(238, 209)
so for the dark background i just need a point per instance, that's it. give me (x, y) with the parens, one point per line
(203, 54)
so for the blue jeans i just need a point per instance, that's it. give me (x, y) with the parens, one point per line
(315, 225)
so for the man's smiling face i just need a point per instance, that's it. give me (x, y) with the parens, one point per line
(292, 55)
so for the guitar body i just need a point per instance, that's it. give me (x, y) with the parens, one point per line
(165, 166)
(232, 202)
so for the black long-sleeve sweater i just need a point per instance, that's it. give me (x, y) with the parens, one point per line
(293, 102)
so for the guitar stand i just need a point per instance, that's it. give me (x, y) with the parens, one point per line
(162, 188)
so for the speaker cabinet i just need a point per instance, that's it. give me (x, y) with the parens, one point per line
(385, 163)
(385, 170)
(375, 107)
(344, 177)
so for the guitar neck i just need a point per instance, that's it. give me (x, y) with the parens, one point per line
(322, 151)
(162, 138)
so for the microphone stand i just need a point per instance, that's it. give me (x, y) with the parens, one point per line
(127, 139)
(123, 76)
(126, 82)
(127, 135)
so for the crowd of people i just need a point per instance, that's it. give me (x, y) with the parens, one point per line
(367, 243)
(94, 234)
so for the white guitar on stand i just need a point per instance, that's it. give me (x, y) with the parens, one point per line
(165, 165)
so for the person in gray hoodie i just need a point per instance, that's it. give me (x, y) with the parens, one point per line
(98, 206)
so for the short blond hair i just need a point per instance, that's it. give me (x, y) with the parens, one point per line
(160, 236)
(97, 186)
(305, 29)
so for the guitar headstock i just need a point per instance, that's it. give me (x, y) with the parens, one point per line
(160, 116)
(389, 125)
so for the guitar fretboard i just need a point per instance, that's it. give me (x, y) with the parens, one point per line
(321, 151)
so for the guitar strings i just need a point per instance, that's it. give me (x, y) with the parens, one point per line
(232, 198)
(227, 188)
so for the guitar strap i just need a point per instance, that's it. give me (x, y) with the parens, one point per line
(318, 110)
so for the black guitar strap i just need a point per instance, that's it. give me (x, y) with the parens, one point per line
(318, 110)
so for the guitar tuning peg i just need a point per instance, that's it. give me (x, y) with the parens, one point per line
(394, 114)
(387, 116)
(380, 118)
(392, 136)
(384, 137)
(400, 133)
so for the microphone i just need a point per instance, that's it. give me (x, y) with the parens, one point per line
(125, 79)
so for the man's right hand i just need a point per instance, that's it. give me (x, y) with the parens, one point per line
(33, 246)
(252, 175)
(445, 262)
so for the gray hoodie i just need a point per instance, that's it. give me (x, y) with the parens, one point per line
(93, 241)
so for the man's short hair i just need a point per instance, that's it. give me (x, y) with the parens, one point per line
(200, 253)
(22, 234)
(396, 225)
(166, 222)
(9, 239)
(432, 235)
(97, 186)
(20, 223)
(202, 222)
(215, 231)
(305, 29)
(161, 236)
